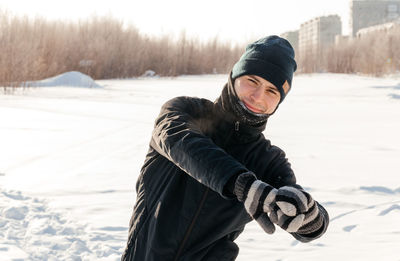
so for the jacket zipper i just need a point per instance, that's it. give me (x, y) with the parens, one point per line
(186, 237)
(237, 124)
(231, 133)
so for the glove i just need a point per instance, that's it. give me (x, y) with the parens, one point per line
(313, 220)
(296, 211)
(293, 201)
(258, 198)
(287, 223)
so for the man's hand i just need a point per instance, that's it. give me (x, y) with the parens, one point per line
(296, 211)
(258, 198)
(289, 207)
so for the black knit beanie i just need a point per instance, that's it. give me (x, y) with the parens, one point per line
(271, 58)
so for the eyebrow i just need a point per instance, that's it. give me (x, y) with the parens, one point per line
(254, 78)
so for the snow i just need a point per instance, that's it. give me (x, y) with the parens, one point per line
(72, 79)
(70, 157)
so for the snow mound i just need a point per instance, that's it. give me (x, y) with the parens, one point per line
(149, 73)
(73, 78)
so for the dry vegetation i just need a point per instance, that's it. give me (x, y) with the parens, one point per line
(102, 47)
(375, 54)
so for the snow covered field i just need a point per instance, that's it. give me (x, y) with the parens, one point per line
(69, 159)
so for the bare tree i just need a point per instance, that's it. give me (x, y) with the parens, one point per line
(102, 47)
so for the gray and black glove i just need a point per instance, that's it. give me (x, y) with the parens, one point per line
(289, 207)
(296, 211)
(258, 198)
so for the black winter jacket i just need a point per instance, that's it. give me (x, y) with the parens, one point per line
(183, 211)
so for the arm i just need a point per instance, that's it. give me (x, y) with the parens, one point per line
(179, 135)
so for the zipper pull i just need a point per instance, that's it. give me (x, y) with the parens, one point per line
(237, 126)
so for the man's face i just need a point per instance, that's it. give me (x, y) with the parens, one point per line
(258, 95)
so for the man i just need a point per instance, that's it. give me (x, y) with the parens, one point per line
(209, 170)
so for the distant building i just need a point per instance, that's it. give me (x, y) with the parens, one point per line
(366, 13)
(386, 27)
(318, 33)
(293, 38)
(341, 39)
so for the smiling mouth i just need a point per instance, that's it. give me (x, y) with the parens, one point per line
(252, 108)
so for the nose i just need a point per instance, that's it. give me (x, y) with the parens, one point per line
(257, 94)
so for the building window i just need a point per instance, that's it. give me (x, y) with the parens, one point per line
(392, 8)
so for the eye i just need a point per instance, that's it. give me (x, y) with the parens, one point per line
(272, 91)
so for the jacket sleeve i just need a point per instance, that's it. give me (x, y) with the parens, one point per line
(279, 172)
(179, 136)
(282, 175)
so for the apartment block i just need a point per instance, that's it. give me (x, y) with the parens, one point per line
(385, 28)
(318, 33)
(366, 13)
(293, 38)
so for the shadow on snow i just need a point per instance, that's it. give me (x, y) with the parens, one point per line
(391, 95)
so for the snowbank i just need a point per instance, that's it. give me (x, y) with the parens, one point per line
(73, 79)
(30, 230)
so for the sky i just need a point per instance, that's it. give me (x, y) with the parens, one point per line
(230, 20)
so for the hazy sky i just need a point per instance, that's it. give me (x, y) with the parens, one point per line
(234, 20)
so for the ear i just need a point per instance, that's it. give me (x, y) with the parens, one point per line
(286, 87)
